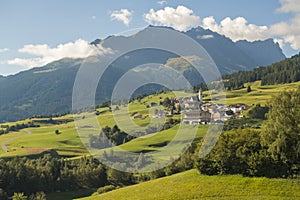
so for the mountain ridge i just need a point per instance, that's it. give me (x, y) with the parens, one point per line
(48, 89)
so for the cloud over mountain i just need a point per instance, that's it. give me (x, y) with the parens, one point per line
(289, 30)
(180, 18)
(284, 33)
(236, 29)
(45, 54)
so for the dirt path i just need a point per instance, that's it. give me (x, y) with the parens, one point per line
(3, 145)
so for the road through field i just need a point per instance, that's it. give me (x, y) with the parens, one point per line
(3, 144)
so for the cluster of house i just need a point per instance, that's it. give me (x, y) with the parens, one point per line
(196, 112)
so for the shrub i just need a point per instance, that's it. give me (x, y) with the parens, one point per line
(106, 189)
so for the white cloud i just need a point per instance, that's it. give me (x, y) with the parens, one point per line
(181, 18)
(122, 15)
(237, 29)
(94, 17)
(45, 54)
(162, 3)
(289, 30)
(294, 40)
(289, 6)
(279, 41)
(286, 32)
(28, 62)
(205, 37)
(4, 50)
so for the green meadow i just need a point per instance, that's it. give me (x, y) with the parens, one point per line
(69, 144)
(191, 185)
(258, 95)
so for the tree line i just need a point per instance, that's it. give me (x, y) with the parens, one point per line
(49, 174)
(9, 128)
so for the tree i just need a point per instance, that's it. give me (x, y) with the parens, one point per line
(281, 136)
(3, 195)
(167, 102)
(19, 196)
(249, 88)
(115, 129)
(258, 112)
(116, 177)
(235, 153)
(38, 196)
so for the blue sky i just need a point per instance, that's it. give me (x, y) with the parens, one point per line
(58, 22)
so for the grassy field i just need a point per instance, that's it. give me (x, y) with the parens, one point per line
(68, 142)
(159, 147)
(258, 95)
(191, 185)
(6, 137)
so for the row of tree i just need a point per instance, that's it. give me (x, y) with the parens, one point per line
(32, 177)
(8, 128)
(50, 174)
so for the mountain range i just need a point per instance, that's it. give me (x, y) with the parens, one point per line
(48, 89)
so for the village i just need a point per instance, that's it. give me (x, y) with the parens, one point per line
(195, 111)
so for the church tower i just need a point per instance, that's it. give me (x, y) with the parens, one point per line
(200, 95)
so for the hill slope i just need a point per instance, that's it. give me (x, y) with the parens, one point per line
(191, 185)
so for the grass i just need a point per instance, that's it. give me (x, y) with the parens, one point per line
(258, 95)
(6, 137)
(159, 147)
(149, 143)
(68, 142)
(191, 185)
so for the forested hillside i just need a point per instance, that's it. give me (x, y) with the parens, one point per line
(286, 71)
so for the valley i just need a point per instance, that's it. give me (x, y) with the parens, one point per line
(68, 143)
(158, 100)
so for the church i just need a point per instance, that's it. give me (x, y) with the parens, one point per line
(192, 112)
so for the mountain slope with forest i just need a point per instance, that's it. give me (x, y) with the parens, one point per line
(48, 89)
(286, 71)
